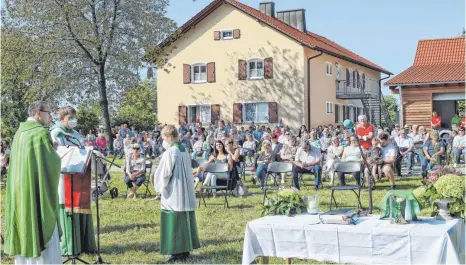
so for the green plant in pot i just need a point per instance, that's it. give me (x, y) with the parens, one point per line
(452, 187)
(286, 202)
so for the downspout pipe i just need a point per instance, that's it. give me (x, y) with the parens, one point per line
(309, 88)
(380, 97)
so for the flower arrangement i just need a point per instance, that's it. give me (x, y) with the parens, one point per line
(286, 202)
(447, 186)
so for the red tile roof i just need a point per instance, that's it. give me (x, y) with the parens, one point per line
(436, 61)
(309, 39)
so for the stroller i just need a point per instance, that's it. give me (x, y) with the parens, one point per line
(99, 167)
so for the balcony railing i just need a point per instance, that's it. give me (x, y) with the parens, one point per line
(356, 90)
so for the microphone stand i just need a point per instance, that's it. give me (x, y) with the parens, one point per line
(366, 165)
(99, 259)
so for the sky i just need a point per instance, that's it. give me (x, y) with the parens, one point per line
(384, 32)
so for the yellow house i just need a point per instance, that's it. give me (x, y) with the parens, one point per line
(235, 63)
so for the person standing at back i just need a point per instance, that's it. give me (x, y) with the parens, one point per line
(365, 132)
(31, 208)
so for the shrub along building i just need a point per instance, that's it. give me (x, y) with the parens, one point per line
(237, 63)
(435, 82)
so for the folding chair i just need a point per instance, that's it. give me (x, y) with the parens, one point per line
(148, 176)
(346, 168)
(215, 168)
(274, 169)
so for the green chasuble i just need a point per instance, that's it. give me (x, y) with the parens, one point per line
(384, 205)
(31, 209)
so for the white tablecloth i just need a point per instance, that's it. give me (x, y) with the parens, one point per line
(371, 241)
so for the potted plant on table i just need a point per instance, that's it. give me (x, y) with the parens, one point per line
(286, 202)
(447, 192)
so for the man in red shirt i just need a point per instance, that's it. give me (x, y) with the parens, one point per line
(436, 122)
(463, 122)
(365, 132)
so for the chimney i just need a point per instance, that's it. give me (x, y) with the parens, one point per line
(295, 18)
(267, 8)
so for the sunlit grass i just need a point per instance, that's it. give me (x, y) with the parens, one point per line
(130, 228)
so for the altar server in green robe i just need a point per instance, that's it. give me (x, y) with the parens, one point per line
(174, 181)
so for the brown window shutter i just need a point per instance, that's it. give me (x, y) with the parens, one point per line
(355, 114)
(268, 68)
(236, 33)
(215, 113)
(337, 111)
(273, 112)
(242, 75)
(186, 74)
(211, 72)
(237, 113)
(216, 35)
(182, 115)
(355, 79)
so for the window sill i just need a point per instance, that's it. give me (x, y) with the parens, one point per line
(255, 78)
(199, 82)
(231, 38)
(329, 74)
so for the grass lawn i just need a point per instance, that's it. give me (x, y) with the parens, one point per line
(130, 228)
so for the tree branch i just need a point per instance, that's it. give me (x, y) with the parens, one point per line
(112, 29)
(86, 51)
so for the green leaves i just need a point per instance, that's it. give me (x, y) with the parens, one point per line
(139, 106)
(287, 202)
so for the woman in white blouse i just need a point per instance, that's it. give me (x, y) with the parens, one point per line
(351, 153)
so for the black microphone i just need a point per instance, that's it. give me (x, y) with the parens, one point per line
(70, 138)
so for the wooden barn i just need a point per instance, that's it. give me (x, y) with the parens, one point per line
(435, 82)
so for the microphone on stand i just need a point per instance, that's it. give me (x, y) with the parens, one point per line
(72, 140)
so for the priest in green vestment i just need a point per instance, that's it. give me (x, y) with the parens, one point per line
(174, 181)
(31, 209)
(83, 226)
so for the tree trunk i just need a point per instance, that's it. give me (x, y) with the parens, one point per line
(104, 104)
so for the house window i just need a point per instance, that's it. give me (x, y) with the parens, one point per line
(360, 111)
(256, 69)
(329, 68)
(338, 71)
(199, 112)
(351, 113)
(329, 107)
(256, 112)
(227, 35)
(199, 73)
(350, 79)
(340, 113)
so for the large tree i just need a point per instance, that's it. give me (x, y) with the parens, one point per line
(391, 105)
(25, 78)
(96, 46)
(138, 107)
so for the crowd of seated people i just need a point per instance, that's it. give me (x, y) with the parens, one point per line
(314, 150)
